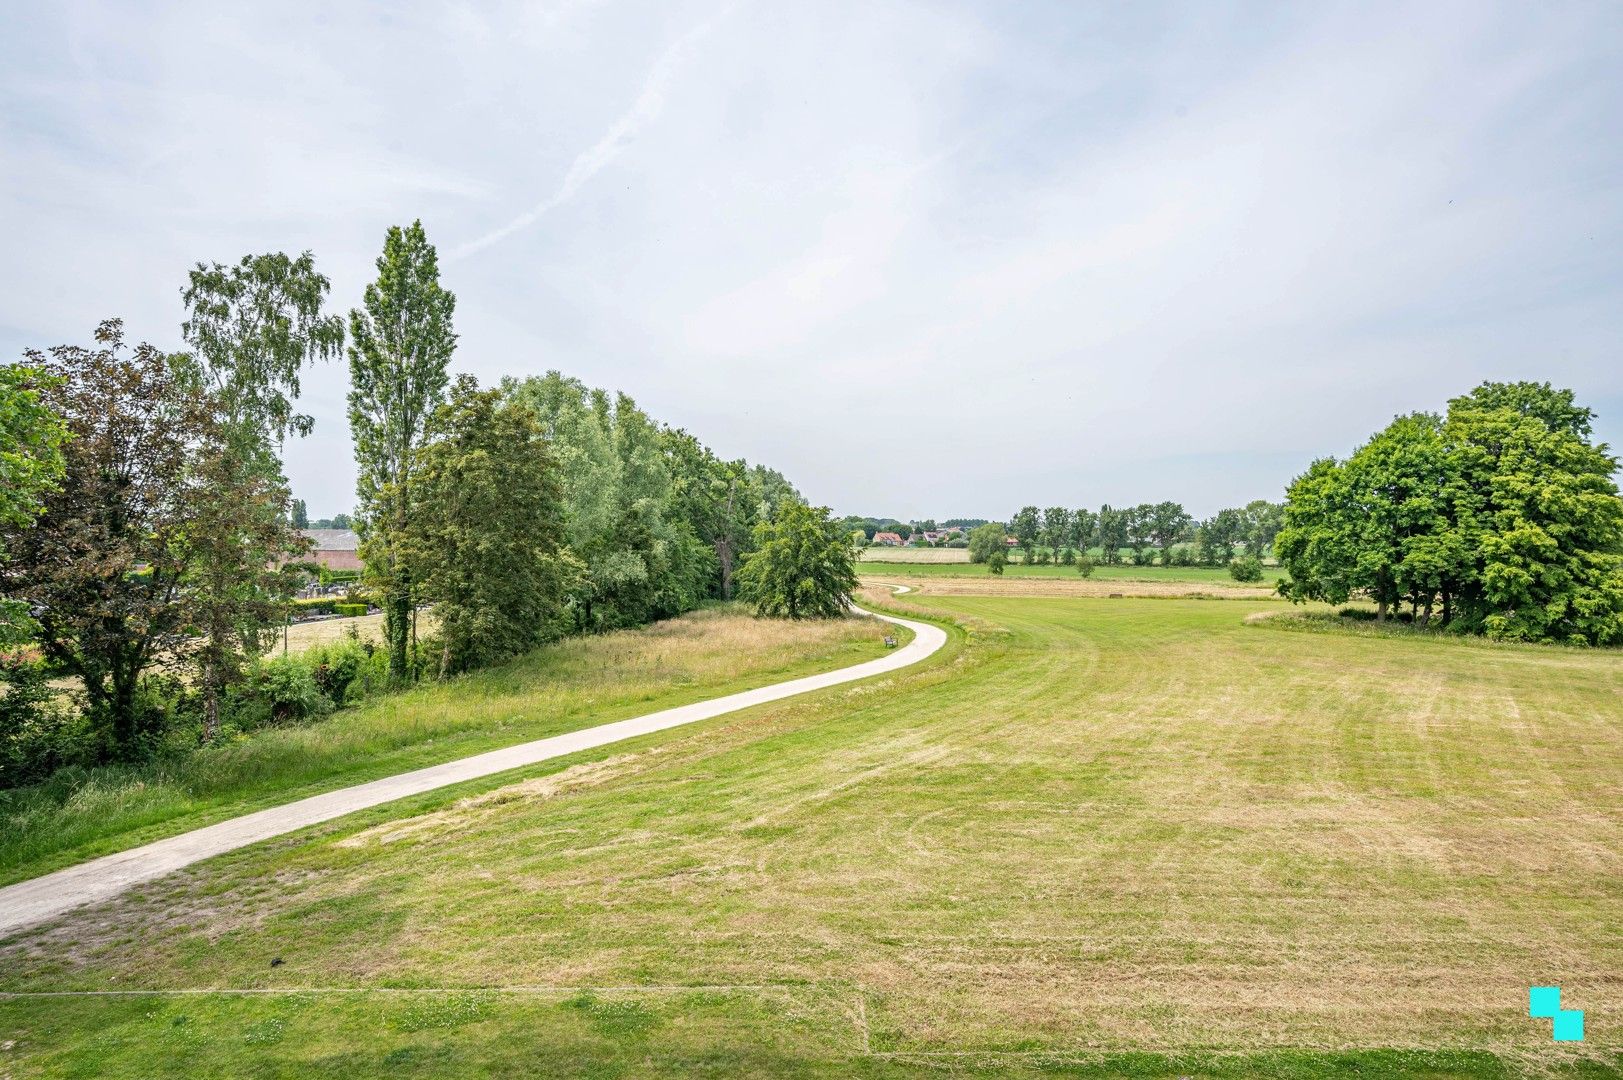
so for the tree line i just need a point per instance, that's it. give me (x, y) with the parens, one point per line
(150, 546)
(1145, 534)
(1500, 517)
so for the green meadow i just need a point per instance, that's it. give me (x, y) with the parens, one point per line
(1093, 837)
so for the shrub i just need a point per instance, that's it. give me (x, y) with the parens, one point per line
(336, 667)
(38, 733)
(315, 605)
(349, 611)
(1085, 565)
(1246, 568)
(1067, 557)
(280, 690)
(1043, 556)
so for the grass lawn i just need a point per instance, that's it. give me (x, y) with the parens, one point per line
(561, 687)
(1099, 838)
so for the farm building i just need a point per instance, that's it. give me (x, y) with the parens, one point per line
(889, 539)
(336, 549)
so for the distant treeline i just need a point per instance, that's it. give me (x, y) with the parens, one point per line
(870, 526)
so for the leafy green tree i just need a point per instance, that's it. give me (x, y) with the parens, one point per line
(253, 327)
(1084, 530)
(1056, 528)
(486, 543)
(301, 515)
(1318, 540)
(31, 437)
(103, 567)
(1085, 565)
(240, 579)
(802, 567)
(1027, 526)
(984, 540)
(997, 560)
(1557, 410)
(1538, 511)
(1217, 537)
(31, 463)
(1262, 522)
(656, 520)
(1113, 532)
(400, 346)
(1164, 524)
(1504, 515)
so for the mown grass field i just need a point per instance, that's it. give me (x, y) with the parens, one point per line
(1196, 575)
(1097, 837)
(561, 687)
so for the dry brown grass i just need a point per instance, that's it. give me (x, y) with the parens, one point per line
(914, 555)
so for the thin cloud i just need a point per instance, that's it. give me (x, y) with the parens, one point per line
(644, 111)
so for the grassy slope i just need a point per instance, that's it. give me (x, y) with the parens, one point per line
(1121, 838)
(562, 687)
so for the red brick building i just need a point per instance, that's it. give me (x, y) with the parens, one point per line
(336, 549)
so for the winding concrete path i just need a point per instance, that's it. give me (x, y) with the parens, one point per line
(38, 899)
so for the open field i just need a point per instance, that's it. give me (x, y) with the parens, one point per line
(1201, 575)
(561, 687)
(1128, 580)
(325, 631)
(1101, 838)
(913, 555)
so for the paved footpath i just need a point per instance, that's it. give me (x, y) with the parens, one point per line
(38, 899)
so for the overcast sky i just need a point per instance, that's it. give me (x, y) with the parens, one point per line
(929, 260)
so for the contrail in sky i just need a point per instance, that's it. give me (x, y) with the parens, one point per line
(649, 104)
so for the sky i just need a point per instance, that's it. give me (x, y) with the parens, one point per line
(929, 260)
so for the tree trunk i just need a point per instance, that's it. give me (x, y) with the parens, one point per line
(397, 608)
(1380, 609)
(211, 703)
(121, 703)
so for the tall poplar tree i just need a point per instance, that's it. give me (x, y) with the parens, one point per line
(400, 346)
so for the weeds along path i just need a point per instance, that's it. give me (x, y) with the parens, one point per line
(38, 899)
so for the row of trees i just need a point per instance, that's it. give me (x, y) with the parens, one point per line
(146, 525)
(1147, 532)
(1500, 517)
(907, 530)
